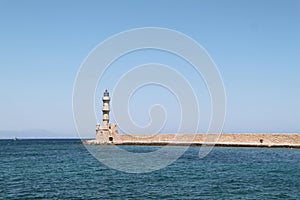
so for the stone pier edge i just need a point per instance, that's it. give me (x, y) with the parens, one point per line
(224, 140)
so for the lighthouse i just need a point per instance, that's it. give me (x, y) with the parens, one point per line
(107, 132)
(105, 109)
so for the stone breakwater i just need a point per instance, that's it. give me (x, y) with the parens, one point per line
(232, 140)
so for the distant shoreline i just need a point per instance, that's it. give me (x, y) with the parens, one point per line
(45, 138)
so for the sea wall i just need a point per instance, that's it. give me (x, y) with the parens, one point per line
(255, 140)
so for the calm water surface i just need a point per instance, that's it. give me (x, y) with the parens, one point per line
(59, 169)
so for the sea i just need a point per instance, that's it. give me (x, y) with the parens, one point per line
(65, 169)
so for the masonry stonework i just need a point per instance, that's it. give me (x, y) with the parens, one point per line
(106, 133)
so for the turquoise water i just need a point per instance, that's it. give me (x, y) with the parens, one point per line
(59, 169)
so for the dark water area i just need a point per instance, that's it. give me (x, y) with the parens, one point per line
(60, 169)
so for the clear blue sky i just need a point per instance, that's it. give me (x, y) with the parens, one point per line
(254, 43)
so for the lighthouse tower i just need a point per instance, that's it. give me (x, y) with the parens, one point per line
(105, 109)
(107, 132)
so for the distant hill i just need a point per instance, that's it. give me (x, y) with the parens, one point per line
(34, 133)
